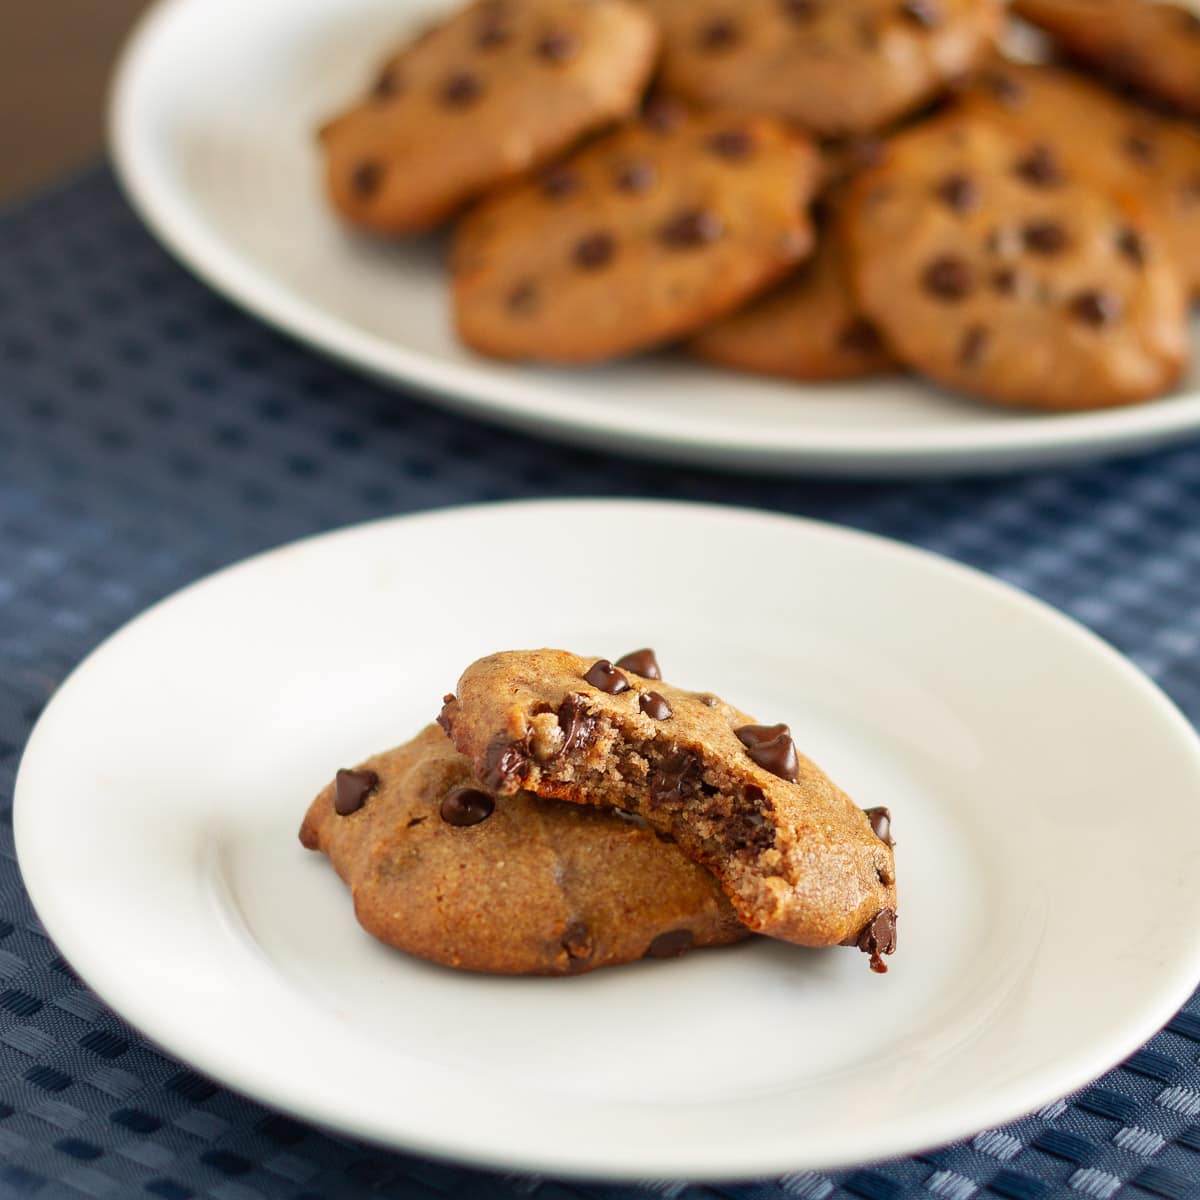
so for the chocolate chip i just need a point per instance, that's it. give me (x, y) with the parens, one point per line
(663, 115)
(1097, 308)
(1004, 281)
(801, 10)
(860, 337)
(771, 746)
(878, 937)
(708, 700)
(641, 662)
(577, 724)
(654, 706)
(1140, 147)
(1007, 90)
(390, 83)
(1131, 246)
(926, 13)
(974, 343)
(523, 298)
(1044, 237)
(461, 90)
(595, 250)
(959, 192)
(557, 46)
(690, 229)
(881, 823)
(717, 35)
(1040, 167)
(603, 675)
(635, 176)
(351, 789)
(558, 182)
(949, 278)
(506, 763)
(366, 178)
(463, 806)
(671, 945)
(737, 145)
(677, 776)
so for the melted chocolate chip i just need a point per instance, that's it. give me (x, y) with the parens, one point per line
(641, 662)
(366, 178)
(881, 823)
(577, 724)
(1097, 308)
(523, 298)
(948, 278)
(693, 228)
(677, 776)
(635, 176)
(801, 10)
(925, 13)
(351, 789)
(959, 192)
(461, 90)
(1044, 237)
(577, 942)
(654, 706)
(736, 145)
(595, 250)
(974, 343)
(771, 746)
(558, 182)
(878, 937)
(463, 806)
(860, 337)
(671, 945)
(557, 46)
(717, 35)
(603, 675)
(1040, 167)
(1140, 147)
(1131, 247)
(505, 764)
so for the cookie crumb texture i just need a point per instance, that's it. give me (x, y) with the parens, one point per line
(635, 240)
(796, 857)
(834, 67)
(488, 94)
(511, 885)
(998, 270)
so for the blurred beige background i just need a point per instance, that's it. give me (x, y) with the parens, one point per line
(55, 58)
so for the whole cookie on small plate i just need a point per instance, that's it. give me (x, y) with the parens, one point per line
(508, 885)
(637, 239)
(1155, 47)
(1085, 129)
(832, 66)
(1006, 278)
(797, 859)
(810, 327)
(498, 88)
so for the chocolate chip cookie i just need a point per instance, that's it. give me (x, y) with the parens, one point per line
(808, 328)
(997, 272)
(635, 240)
(447, 870)
(1085, 130)
(500, 87)
(797, 859)
(1154, 47)
(832, 66)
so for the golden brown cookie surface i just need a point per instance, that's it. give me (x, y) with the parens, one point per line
(511, 885)
(798, 860)
(637, 239)
(990, 267)
(1155, 47)
(498, 88)
(832, 66)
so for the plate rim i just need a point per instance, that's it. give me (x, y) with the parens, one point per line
(1008, 442)
(121, 992)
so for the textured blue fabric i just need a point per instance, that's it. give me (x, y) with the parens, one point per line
(150, 433)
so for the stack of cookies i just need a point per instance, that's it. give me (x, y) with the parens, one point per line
(813, 189)
(573, 813)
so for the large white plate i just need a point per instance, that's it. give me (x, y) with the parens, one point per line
(212, 131)
(1043, 794)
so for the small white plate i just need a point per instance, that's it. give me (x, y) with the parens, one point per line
(1043, 793)
(212, 129)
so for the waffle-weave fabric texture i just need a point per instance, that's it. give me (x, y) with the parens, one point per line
(150, 433)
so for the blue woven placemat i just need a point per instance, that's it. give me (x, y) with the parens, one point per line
(150, 433)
